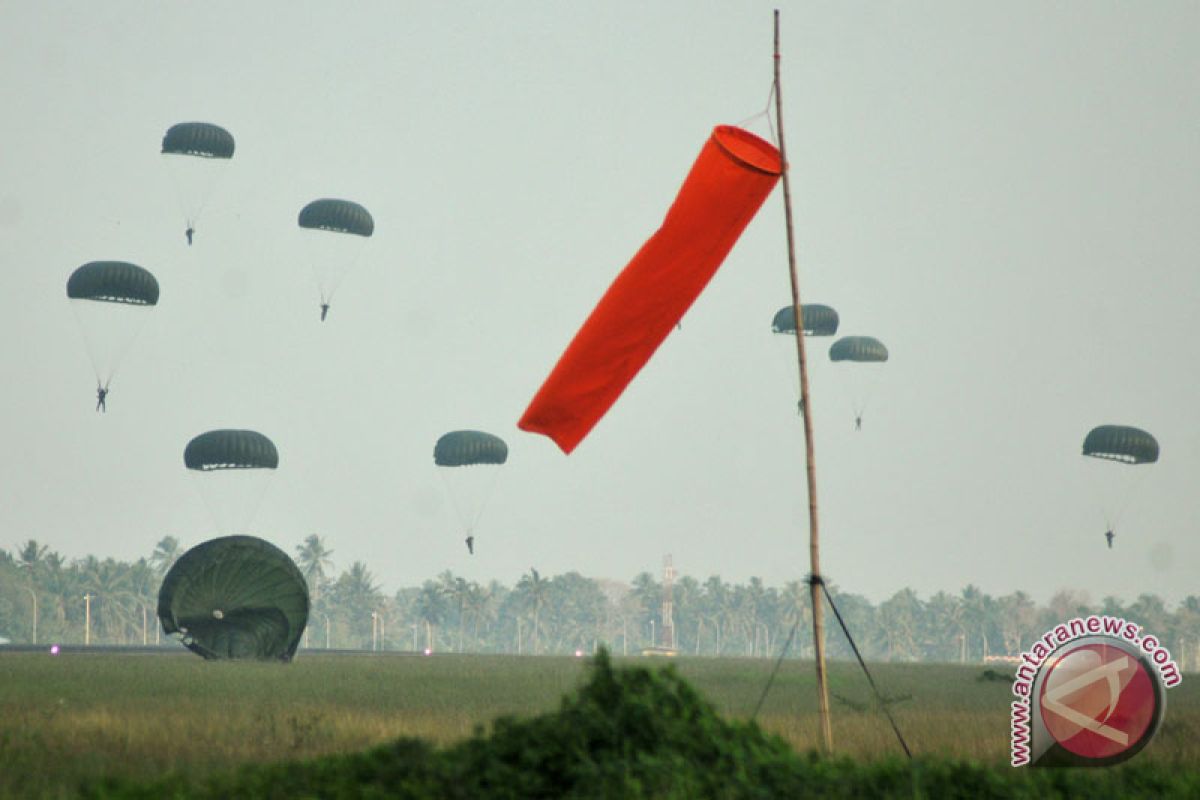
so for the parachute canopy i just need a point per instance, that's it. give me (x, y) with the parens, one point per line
(819, 320)
(198, 139)
(113, 282)
(340, 216)
(230, 449)
(1121, 443)
(237, 597)
(465, 448)
(858, 348)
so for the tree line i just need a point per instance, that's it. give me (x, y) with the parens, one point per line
(114, 602)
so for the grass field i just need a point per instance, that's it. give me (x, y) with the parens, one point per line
(73, 717)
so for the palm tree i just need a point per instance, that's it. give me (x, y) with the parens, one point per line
(577, 606)
(458, 591)
(898, 615)
(978, 612)
(715, 601)
(313, 558)
(479, 603)
(943, 629)
(357, 596)
(532, 590)
(685, 600)
(165, 554)
(796, 608)
(1187, 627)
(861, 620)
(431, 607)
(143, 585)
(30, 555)
(1018, 621)
(114, 598)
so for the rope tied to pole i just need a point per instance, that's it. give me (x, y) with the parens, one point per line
(775, 671)
(817, 580)
(765, 114)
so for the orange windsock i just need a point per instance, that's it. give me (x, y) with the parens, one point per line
(728, 183)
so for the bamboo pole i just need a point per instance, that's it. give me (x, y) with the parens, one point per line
(814, 550)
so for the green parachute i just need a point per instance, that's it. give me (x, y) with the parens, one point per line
(232, 468)
(1121, 443)
(861, 350)
(201, 139)
(337, 216)
(195, 151)
(1114, 486)
(237, 597)
(819, 320)
(468, 448)
(113, 282)
(230, 449)
(332, 256)
(111, 300)
(469, 463)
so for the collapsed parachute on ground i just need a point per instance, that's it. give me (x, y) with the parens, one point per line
(110, 300)
(232, 469)
(862, 349)
(237, 597)
(1121, 443)
(819, 320)
(469, 463)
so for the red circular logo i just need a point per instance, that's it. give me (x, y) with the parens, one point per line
(1097, 700)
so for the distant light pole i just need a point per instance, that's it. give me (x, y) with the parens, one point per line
(33, 594)
(326, 631)
(87, 618)
(414, 627)
(652, 633)
(374, 627)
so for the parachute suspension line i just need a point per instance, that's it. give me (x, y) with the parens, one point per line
(1114, 514)
(817, 580)
(469, 519)
(105, 337)
(814, 549)
(330, 270)
(193, 194)
(318, 278)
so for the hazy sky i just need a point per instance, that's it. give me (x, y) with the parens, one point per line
(1006, 194)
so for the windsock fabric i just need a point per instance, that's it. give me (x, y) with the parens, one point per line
(728, 183)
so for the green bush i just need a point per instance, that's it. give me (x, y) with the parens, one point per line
(635, 733)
